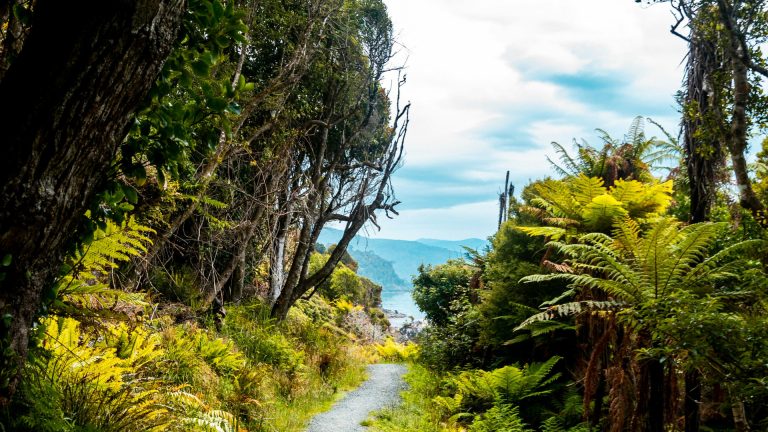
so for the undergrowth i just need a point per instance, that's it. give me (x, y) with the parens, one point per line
(508, 399)
(252, 375)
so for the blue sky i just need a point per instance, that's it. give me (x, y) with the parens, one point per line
(494, 82)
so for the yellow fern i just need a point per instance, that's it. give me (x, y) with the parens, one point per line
(91, 383)
(85, 284)
(580, 203)
(195, 413)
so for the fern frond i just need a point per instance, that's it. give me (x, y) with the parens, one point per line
(571, 167)
(695, 241)
(709, 266)
(554, 233)
(585, 189)
(86, 284)
(570, 309)
(636, 133)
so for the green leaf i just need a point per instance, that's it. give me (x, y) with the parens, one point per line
(23, 14)
(130, 194)
(125, 207)
(201, 68)
(217, 104)
(6, 260)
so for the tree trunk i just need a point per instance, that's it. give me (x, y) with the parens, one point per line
(704, 153)
(237, 283)
(692, 401)
(739, 412)
(655, 421)
(737, 141)
(66, 104)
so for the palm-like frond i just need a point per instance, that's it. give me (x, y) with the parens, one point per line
(631, 268)
(571, 309)
(570, 166)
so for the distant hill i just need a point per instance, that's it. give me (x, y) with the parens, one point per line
(404, 256)
(378, 270)
(456, 245)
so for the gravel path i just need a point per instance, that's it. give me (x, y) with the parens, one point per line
(385, 381)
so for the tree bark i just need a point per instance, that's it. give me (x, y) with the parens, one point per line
(739, 412)
(704, 153)
(655, 421)
(692, 401)
(737, 141)
(85, 67)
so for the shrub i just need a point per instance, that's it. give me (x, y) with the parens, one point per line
(394, 351)
(75, 383)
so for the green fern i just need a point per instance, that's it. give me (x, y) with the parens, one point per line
(478, 390)
(98, 384)
(85, 283)
(500, 418)
(195, 414)
(631, 268)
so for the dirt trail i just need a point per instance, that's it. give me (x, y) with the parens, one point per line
(385, 381)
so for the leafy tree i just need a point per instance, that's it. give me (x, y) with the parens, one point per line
(349, 153)
(436, 289)
(723, 102)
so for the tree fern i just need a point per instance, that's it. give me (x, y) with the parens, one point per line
(580, 203)
(631, 268)
(636, 153)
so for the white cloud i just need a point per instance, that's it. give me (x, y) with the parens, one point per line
(486, 66)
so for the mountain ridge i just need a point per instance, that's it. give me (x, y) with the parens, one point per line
(405, 256)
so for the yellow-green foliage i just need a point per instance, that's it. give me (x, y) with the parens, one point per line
(394, 351)
(194, 414)
(584, 204)
(256, 375)
(345, 306)
(193, 356)
(101, 383)
(85, 282)
(344, 282)
(295, 368)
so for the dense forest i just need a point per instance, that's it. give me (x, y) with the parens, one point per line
(170, 166)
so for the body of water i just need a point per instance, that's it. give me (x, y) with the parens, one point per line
(402, 302)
